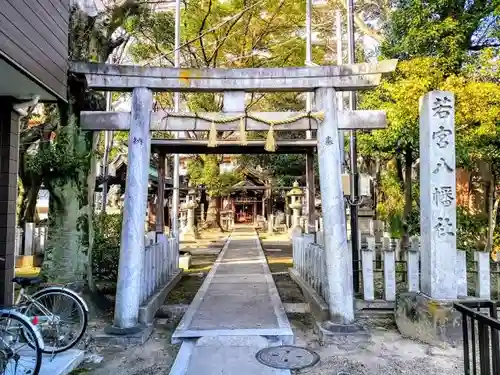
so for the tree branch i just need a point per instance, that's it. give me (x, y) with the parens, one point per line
(367, 30)
(363, 27)
(113, 44)
(220, 43)
(36, 133)
(200, 33)
(480, 47)
(226, 135)
(193, 56)
(244, 37)
(157, 48)
(268, 24)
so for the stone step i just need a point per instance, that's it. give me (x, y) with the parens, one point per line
(168, 311)
(348, 336)
(62, 364)
(224, 355)
(297, 308)
(374, 314)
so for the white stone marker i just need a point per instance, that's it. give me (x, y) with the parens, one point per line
(483, 278)
(438, 195)
(270, 224)
(390, 269)
(413, 271)
(461, 274)
(338, 253)
(29, 238)
(367, 265)
(128, 291)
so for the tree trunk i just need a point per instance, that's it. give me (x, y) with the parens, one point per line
(213, 213)
(91, 178)
(493, 203)
(65, 260)
(31, 184)
(408, 196)
(205, 210)
(376, 187)
(71, 187)
(166, 213)
(31, 179)
(28, 205)
(218, 204)
(399, 171)
(408, 185)
(204, 202)
(19, 200)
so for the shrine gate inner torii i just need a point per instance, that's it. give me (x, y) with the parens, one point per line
(324, 81)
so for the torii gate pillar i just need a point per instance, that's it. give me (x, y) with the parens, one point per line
(128, 290)
(338, 254)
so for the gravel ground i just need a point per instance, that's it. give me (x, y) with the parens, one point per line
(279, 257)
(155, 357)
(386, 353)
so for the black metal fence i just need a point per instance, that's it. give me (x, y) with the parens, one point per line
(481, 329)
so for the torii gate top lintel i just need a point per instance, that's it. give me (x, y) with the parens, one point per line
(110, 77)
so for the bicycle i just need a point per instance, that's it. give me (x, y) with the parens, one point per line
(17, 336)
(43, 309)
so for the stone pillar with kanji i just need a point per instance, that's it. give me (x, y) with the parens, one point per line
(429, 315)
(438, 219)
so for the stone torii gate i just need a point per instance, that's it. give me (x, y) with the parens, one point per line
(324, 81)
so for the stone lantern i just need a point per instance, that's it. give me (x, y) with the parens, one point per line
(296, 205)
(189, 230)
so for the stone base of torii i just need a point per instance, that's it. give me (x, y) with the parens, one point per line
(324, 81)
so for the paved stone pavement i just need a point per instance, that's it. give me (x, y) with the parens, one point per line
(236, 312)
(238, 297)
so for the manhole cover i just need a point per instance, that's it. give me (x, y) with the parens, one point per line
(287, 357)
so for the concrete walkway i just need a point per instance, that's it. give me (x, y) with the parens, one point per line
(236, 312)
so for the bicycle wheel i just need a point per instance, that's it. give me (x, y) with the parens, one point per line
(20, 345)
(61, 318)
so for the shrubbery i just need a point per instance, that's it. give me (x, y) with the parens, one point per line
(106, 251)
(472, 230)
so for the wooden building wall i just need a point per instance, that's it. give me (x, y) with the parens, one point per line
(34, 37)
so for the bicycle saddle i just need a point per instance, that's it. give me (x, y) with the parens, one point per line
(27, 281)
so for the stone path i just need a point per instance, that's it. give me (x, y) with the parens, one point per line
(236, 312)
(61, 364)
